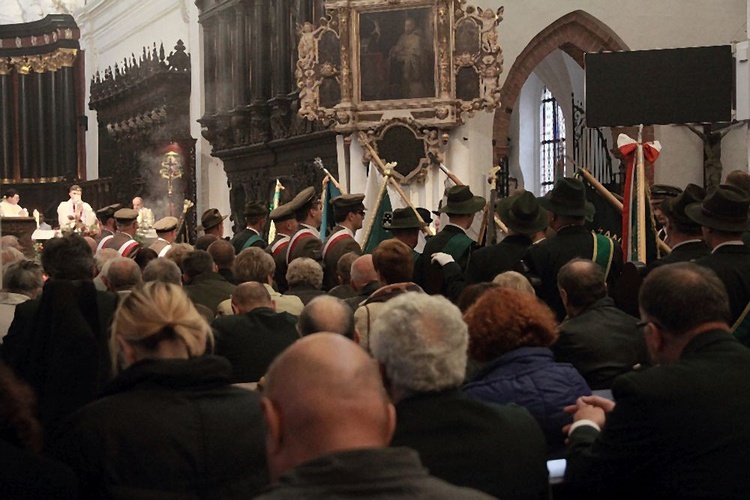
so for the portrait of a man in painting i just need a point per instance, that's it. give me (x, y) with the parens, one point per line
(396, 54)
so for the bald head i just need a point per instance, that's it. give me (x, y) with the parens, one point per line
(363, 272)
(251, 295)
(323, 394)
(327, 314)
(121, 274)
(581, 283)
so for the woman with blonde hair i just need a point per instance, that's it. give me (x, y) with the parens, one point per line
(169, 424)
(511, 332)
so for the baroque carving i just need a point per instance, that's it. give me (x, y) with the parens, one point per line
(428, 60)
(413, 142)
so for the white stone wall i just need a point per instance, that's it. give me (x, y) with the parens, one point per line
(113, 29)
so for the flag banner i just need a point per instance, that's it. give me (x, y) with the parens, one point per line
(275, 202)
(636, 201)
(330, 191)
(377, 233)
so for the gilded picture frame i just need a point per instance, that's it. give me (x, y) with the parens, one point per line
(368, 61)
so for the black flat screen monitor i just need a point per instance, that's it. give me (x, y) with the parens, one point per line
(688, 85)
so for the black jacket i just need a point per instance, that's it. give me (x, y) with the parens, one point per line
(496, 449)
(488, 262)
(680, 430)
(59, 344)
(545, 259)
(168, 429)
(429, 276)
(732, 264)
(252, 340)
(602, 343)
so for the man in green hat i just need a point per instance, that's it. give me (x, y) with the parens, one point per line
(526, 221)
(349, 215)
(255, 221)
(452, 243)
(568, 209)
(684, 236)
(405, 226)
(723, 215)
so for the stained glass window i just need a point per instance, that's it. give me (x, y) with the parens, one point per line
(551, 141)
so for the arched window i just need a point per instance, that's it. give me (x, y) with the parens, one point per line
(551, 140)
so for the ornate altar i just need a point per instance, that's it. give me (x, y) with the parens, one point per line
(143, 108)
(42, 127)
(404, 71)
(251, 101)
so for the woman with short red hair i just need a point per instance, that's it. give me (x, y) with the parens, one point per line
(511, 332)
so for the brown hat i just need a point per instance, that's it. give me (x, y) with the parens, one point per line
(723, 209)
(166, 224)
(346, 203)
(403, 218)
(211, 218)
(461, 201)
(674, 208)
(568, 197)
(108, 212)
(303, 198)
(282, 212)
(255, 208)
(522, 213)
(126, 214)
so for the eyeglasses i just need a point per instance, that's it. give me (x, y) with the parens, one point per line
(362, 213)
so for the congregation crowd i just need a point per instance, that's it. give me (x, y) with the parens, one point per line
(303, 368)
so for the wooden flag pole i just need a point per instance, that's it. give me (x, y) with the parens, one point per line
(641, 198)
(378, 162)
(498, 222)
(319, 163)
(612, 199)
(376, 208)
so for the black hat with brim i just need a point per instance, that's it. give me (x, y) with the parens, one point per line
(568, 197)
(724, 209)
(404, 218)
(461, 201)
(522, 213)
(674, 208)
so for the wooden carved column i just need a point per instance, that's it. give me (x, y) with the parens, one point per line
(6, 122)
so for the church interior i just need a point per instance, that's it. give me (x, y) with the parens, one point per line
(117, 85)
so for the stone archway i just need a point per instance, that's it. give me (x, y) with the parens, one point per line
(575, 34)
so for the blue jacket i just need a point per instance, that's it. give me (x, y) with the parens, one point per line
(530, 377)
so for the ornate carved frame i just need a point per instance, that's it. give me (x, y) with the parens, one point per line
(465, 52)
(443, 110)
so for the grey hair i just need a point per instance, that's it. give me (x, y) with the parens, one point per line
(103, 256)
(164, 270)
(421, 340)
(514, 280)
(305, 270)
(24, 277)
(253, 264)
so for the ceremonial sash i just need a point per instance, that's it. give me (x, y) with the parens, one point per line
(252, 239)
(127, 247)
(604, 250)
(104, 242)
(299, 235)
(335, 238)
(280, 245)
(458, 245)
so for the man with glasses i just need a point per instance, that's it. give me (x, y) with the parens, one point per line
(681, 428)
(349, 215)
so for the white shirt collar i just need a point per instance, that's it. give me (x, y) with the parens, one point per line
(734, 243)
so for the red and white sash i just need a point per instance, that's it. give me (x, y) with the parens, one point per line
(335, 238)
(127, 247)
(299, 235)
(280, 245)
(104, 242)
